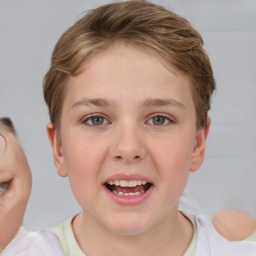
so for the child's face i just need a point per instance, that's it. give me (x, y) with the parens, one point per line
(128, 117)
(15, 181)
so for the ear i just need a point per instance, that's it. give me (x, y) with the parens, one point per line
(58, 157)
(199, 149)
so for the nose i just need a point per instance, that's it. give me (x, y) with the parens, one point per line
(128, 145)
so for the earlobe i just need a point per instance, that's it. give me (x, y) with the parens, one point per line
(58, 157)
(199, 149)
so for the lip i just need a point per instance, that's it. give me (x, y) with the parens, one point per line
(128, 200)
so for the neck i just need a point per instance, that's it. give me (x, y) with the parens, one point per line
(170, 237)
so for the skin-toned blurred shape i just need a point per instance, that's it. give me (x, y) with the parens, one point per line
(234, 225)
(15, 183)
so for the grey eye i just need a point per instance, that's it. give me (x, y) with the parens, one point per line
(96, 120)
(158, 120)
(4, 186)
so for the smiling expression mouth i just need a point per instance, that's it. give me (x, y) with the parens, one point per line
(128, 188)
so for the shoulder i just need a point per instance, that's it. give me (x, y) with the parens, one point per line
(64, 232)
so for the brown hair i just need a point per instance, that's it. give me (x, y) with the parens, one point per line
(140, 22)
(7, 123)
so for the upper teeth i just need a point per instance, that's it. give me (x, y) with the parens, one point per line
(127, 183)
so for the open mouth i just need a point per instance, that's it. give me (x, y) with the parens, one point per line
(128, 188)
(4, 186)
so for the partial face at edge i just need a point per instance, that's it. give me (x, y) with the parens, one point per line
(3, 145)
(126, 118)
(15, 174)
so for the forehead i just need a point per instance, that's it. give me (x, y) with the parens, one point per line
(2, 144)
(3, 139)
(5, 131)
(10, 146)
(7, 136)
(135, 61)
(131, 50)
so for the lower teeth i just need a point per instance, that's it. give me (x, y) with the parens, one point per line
(128, 194)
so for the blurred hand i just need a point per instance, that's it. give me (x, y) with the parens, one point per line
(234, 225)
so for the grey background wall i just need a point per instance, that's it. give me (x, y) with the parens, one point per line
(29, 30)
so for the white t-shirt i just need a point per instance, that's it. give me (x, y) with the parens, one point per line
(39, 243)
(206, 241)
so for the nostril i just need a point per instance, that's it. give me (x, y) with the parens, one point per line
(120, 157)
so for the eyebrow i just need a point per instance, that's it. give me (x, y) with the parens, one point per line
(148, 102)
(99, 102)
(162, 102)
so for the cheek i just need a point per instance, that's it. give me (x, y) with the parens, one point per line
(83, 160)
(173, 154)
(82, 156)
(25, 174)
(172, 159)
(10, 224)
(11, 215)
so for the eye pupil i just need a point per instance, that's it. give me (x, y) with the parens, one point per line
(97, 120)
(158, 120)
